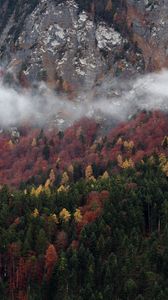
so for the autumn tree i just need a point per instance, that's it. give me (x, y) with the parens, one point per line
(51, 258)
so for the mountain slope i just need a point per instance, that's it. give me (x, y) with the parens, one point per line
(66, 43)
(30, 155)
(72, 44)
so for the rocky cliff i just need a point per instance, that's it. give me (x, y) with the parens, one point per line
(72, 44)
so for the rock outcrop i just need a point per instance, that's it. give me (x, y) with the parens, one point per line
(72, 44)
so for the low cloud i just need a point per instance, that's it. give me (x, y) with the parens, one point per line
(125, 98)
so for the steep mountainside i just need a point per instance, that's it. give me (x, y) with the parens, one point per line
(72, 43)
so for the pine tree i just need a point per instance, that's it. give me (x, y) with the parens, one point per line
(41, 242)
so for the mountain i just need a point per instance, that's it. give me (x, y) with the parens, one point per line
(73, 44)
(83, 150)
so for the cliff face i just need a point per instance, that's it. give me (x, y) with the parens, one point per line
(147, 20)
(72, 44)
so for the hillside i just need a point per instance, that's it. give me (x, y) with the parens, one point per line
(85, 211)
(27, 156)
(96, 239)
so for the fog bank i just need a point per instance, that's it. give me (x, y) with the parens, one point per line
(148, 92)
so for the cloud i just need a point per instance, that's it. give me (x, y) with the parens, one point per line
(148, 92)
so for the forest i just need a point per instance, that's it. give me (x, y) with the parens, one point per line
(99, 239)
(29, 155)
(84, 212)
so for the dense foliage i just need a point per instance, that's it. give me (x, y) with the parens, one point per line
(103, 239)
(85, 215)
(31, 156)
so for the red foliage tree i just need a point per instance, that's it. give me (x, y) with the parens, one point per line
(51, 258)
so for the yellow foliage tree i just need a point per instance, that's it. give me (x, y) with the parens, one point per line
(162, 159)
(52, 177)
(34, 142)
(128, 145)
(39, 190)
(88, 172)
(62, 188)
(47, 184)
(128, 163)
(105, 175)
(35, 213)
(64, 215)
(65, 178)
(92, 178)
(47, 191)
(165, 169)
(77, 215)
(33, 192)
(53, 218)
(163, 163)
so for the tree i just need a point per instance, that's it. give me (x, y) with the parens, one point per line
(34, 142)
(46, 152)
(28, 241)
(73, 265)
(51, 258)
(41, 242)
(35, 213)
(65, 178)
(65, 215)
(63, 275)
(52, 177)
(130, 288)
(62, 240)
(88, 172)
(77, 215)
(105, 175)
